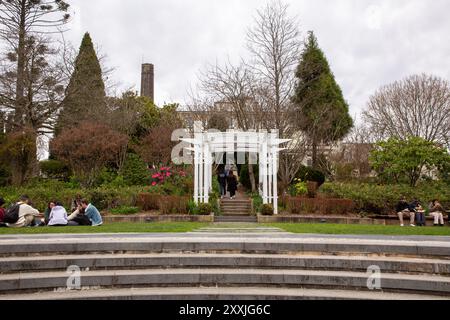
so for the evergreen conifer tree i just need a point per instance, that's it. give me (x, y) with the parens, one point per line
(85, 95)
(320, 108)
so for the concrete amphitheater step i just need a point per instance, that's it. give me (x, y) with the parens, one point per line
(139, 261)
(234, 218)
(192, 243)
(46, 281)
(224, 293)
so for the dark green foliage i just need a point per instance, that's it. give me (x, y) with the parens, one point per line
(135, 171)
(309, 174)
(267, 210)
(396, 160)
(244, 177)
(205, 209)
(320, 108)
(85, 94)
(54, 169)
(381, 199)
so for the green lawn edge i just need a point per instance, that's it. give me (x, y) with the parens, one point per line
(119, 227)
(347, 229)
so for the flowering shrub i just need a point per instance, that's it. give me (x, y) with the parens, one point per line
(169, 181)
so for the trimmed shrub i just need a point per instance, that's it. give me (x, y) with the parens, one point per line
(173, 205)
(382, 199)
(205, 209)
(320, 206)
(148, 201)
(267, 210)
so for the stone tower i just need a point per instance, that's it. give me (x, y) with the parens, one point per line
(147, 81)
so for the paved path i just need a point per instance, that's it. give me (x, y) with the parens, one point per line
(226, 236)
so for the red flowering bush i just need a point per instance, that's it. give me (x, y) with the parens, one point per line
(169, 181)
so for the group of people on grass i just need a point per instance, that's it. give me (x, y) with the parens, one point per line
(83, 213)
(227, 181)
(416, 212)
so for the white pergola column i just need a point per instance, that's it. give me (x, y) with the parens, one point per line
(275, 179)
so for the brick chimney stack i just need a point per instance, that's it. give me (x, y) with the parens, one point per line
(147, 81)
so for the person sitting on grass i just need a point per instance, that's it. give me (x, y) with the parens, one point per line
(28, 216)
(2, 212)
(47, 211)
(58, 216)
(92, 213)
(78, 218)
(437, 212)
(403, 209)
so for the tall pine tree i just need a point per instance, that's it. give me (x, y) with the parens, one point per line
(85, 95)
(320, 109)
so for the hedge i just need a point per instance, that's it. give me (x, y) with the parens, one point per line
(382, 199)
(43, 192)
(326, 206)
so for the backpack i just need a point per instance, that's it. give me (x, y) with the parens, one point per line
(12, 214)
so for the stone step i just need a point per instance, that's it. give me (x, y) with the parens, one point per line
(187, 243)
(220, 293)
(239, 230)
(47, 281)
(203, 260)
(236, 219)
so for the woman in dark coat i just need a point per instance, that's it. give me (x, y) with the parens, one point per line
(232, 184)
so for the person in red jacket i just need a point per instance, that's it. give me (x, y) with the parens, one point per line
(2, 210)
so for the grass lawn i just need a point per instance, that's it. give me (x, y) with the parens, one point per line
(362, 229)
(175, 227)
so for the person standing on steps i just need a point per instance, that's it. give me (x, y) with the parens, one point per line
(232, 184)
(222, 178)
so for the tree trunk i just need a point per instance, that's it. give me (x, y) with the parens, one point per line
(21, 56)
(251, 174)
(314, 154)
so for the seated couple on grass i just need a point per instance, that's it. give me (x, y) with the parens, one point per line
(416, 212)
(56, 215)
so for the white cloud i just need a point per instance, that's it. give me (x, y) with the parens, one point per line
(369, 43)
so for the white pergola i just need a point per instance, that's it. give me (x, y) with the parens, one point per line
(210, 147)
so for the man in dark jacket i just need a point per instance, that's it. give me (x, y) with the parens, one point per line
(403, 209)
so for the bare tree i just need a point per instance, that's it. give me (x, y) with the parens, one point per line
(258, 91)
(274, 42)
(416, 106)
(21, 21)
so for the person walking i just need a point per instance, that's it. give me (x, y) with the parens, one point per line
(232, 184)
(222, 178)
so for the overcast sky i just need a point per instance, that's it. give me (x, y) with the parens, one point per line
(368, 43)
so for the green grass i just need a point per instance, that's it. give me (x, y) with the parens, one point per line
(175, 227)
(362, 229)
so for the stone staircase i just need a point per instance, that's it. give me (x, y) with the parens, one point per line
(237, 210)
(265, 265)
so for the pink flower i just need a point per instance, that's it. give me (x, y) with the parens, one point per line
(156, 175)
(153, 184)
(168, 174)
